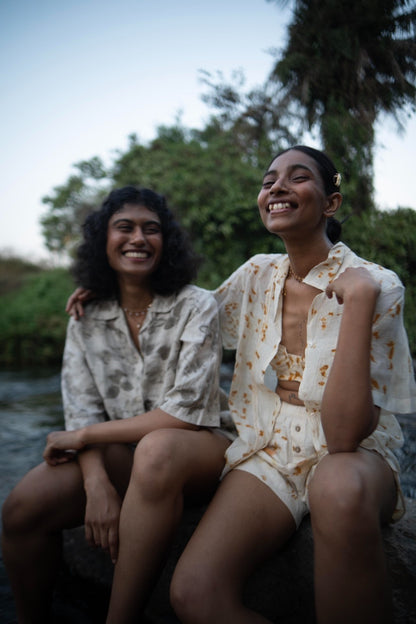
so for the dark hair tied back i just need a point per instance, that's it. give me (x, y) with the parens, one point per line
(333, 229)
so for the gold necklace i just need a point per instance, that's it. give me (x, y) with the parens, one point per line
(292, 273)
(138, 315)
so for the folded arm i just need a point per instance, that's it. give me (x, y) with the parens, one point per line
(348, 412)
(61, 444)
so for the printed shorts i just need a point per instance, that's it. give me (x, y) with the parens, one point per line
(289, 461)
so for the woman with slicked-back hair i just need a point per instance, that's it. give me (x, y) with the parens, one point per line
(322, 365)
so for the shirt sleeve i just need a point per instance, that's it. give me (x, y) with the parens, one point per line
(81, 400)
(194, 394)
(392, 375)
(230, 296)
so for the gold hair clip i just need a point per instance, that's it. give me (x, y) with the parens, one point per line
(337, 179)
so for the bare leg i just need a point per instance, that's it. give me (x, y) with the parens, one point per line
(244, 523)
(350, 495)
(167, 463)
(47, 500)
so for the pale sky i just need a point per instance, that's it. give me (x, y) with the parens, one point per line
(79, 76)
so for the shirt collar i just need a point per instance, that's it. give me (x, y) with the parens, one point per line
(109, 309)
(325, 272)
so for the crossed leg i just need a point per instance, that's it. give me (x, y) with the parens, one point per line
(168, 464)
(244, 523)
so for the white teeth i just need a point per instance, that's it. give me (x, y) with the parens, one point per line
(136, 254)
(279, 206)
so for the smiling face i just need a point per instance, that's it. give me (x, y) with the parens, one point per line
(292, 199)
(134, 242)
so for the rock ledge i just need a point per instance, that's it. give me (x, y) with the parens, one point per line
(282, 590)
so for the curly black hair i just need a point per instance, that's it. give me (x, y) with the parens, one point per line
(178, 265)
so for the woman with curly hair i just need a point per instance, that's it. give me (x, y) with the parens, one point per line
(140, 387)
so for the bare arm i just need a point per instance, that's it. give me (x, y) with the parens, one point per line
(102, 500)
(127, 430)
(348, 413)
(103, 503)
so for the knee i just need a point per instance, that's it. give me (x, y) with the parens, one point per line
(157, 466)
(38, 499)
(18, 512)
(192, 596)
(339, 499)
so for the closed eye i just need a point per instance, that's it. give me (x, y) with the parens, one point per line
(300, 178)
(268, 183)
(152, 229)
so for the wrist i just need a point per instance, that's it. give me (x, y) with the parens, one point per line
(363, 293)
(84, 436)
(361, 305)
(94, 482)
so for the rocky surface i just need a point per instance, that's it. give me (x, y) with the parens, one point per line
(281, 590)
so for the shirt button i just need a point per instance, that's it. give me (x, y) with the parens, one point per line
(296, 449)
(297, 428)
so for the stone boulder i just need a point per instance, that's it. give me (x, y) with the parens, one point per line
(282, 590)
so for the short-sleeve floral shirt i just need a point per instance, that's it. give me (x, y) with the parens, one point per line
(104, 376)
(250, 304)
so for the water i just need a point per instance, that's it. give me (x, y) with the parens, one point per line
(30, 407)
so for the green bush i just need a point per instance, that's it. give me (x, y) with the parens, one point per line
(32, 299)
(13, 272)
(33, 319)
(389, 238)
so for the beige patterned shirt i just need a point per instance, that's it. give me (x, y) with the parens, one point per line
(105, 377)
(251, 317)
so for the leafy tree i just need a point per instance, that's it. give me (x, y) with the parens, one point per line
(70, 203)
(260, 121)
(344, 64)
(212, 187)
(209, 177)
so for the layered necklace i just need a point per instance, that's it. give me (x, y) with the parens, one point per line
(138, 315)
(290, 274)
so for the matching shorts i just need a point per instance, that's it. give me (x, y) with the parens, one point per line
(287, 464)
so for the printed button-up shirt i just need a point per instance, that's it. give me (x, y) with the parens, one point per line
(105, 377)
(250, 304)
